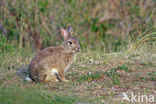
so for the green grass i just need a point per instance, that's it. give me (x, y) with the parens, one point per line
(90, 77)
(94, 76)
(123, 67)
(152, 73)
(96, 25)
(148, 78)
(18, 95)
(113, 74)
(117, 44)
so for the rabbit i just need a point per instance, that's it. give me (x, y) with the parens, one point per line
(51, 63)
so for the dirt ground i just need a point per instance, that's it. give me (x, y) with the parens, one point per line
(101, 78)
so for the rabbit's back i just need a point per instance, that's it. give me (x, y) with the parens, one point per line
(45, 54)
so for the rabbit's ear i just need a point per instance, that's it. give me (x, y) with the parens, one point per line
(70, 30)
(64, 33)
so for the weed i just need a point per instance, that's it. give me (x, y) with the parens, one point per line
(37, 23)
(85, 68)
(147, 64)
(4, 46)
(148, 78)
(152, 73)
(135, 83)
(123, 67)
(90, 77)
(114, 76)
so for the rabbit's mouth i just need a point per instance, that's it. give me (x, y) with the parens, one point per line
(76, 50)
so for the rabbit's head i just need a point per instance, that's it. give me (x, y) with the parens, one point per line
(71, 44)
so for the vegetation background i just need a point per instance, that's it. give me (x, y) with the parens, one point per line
(113, 34)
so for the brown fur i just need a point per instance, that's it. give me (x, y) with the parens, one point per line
(51, 59)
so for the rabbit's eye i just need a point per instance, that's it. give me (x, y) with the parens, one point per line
(70, 42)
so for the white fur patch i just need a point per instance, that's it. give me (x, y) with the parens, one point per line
(28, 79)
(54, 71)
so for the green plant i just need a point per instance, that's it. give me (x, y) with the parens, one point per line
(123, 67)
(4, 45)
(90, 77)
(36, 23)
(152, 73)
(114, 76)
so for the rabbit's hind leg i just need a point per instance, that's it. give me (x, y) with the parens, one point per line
(41, 76)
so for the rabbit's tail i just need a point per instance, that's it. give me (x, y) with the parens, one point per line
(23, 72)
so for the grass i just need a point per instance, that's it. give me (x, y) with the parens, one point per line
(123, 67)
(95, 77)
(118, 49)
(90, 77)
(93, 22)
(18, 95)
(113, 74)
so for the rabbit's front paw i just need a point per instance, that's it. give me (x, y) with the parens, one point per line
(65, 80)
